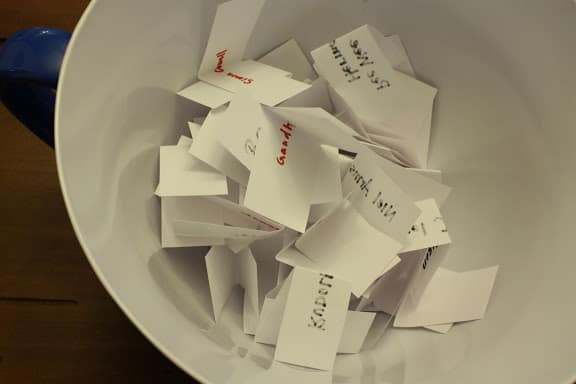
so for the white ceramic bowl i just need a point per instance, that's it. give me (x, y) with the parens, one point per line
(504, 134)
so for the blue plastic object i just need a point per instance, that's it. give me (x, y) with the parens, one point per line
(30, 63)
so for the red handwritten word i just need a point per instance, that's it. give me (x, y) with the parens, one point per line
(220, 65)
(220, 68)
(245, 80)
(286, 129)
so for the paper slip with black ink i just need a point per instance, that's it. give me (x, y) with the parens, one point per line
(356, 67)
(241, 126)
(429, 230)
(356, 326)
(313, 320)
(355, 61)
(379, 199)
(267, 86)
(225, 271)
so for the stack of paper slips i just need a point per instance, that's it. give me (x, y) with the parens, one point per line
(308, 167)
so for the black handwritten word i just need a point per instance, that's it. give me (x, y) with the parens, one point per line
(250, 145)
(220, 64)
(386, 209)
(349, 72)
(429, 253)
(317, 319)
(286, 129)
(360, 180)
(362, 56)
(360, 53)
(376, 80)
(417, 228)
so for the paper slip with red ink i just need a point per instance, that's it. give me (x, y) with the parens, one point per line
(242, 122)
(281, 184)
(288, 167)
(223, 70)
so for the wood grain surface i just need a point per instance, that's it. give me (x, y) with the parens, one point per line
(19, 14)
(57, 323)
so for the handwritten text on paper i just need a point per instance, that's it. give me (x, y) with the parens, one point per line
(317, 319)
(286, 130)
(386, 208)
(363, 60)
(220, 68)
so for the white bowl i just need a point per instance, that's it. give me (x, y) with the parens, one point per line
(504, 134)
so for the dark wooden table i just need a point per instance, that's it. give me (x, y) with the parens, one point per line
(57, 323)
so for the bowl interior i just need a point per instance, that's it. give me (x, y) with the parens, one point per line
(503, 134)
